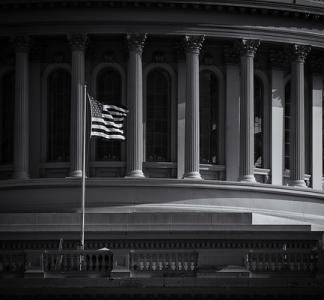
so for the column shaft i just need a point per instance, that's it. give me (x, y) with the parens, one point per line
(297, 145)
(248, 50)
(21, 139)
(77, 100)
(135, 105)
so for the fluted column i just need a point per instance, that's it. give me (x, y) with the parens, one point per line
(135, 106)
(248, 49)
(21, 139)
(297, 133)
(78, 43)
(193, 46)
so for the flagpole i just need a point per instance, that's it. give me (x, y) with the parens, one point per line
(83, 167)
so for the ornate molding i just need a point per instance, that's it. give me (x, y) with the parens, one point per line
(136, 41)
(248, 47)
(78, 41)
(300, 52)
(21, 43)
(193, 43)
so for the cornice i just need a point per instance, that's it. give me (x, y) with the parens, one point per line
(303, 9)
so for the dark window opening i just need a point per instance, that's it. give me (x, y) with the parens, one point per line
(7, 104)
(58, 116)
(158, 119)
(258, 123)
(208, 115)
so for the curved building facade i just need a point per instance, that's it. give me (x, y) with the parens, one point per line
(219, 182)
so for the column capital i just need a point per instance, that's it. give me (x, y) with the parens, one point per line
(277, 58)
(136, 41)
(78, 41)
(248, 47)
(231, 55)
(300, 52)
(193, 43)
(21, 43)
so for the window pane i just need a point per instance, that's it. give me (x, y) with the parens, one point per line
(109, 91)
(7, 102)
(208, 108)
(258, 122)
(58, 116)
(158, 125)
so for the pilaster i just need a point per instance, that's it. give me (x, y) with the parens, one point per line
(193, 45)
(136, 43)
(297, 149)
(21, 132)
(248, 49)
(78, 44)
(232, 132)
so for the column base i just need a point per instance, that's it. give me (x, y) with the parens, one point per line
(76, 173)
(192, 175)
(297, 183)
(247, 178)
(135, 174)
(22, 175)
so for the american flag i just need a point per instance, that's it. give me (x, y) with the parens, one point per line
(107, 120)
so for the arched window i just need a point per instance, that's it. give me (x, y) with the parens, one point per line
(208, 112)
(258, 123)
(287, 114)
(58, 116)
(158, 119)
(7, 103)
(109, 91)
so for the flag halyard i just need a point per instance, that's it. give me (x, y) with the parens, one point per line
(107, 120)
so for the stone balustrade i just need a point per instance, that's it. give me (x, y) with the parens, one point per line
(166, 262)
(72, 261)
(281, 262)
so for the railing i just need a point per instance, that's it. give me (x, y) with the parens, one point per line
(262, 175)
(281, 261)
(98, 262)
(212, 172)
(12, 263)
(164, 263)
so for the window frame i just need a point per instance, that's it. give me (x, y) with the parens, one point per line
(44, 164)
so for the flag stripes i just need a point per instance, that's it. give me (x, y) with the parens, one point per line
(107, 120)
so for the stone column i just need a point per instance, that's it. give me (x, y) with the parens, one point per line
(78, 43)
(316, 123)
(248, 49)
(277, 115)
(135, 106)
(232, 120)
(193, 46)
(297, 131)
(21, 138)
